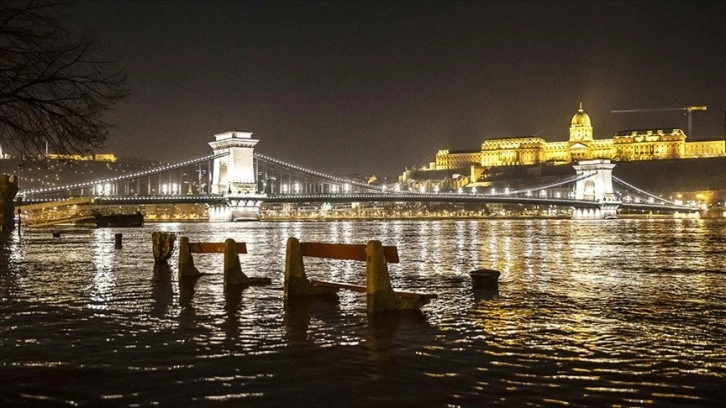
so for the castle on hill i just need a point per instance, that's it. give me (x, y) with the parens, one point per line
(625, 146)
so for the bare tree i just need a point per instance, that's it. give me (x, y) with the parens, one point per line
(54, 86)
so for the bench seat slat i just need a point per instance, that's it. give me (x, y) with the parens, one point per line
(214, 247)
(363, 289)
(344, 251)
(416, 295)
(339, 285)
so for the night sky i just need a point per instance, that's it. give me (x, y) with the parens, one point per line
(375, 87)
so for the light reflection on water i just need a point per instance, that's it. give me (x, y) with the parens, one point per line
(616, 312)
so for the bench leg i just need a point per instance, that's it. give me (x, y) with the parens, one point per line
(186, 262)
(233, 274)
(380, 295)
(296, 282)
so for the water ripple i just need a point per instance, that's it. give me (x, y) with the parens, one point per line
(628, 313)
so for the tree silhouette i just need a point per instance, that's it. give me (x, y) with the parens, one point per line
(54, 86)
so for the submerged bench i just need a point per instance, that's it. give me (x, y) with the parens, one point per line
(233, 274)
(380, 295)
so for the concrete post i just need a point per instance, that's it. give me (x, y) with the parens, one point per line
(233, 274)
(186, 262)
(296, 283)
(380, 294)
(232, 269)
(163, 246)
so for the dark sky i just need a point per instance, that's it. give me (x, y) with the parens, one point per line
(375, 87)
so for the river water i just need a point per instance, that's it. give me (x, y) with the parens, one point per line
(587, 313)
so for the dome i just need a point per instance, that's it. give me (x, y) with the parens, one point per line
(581, 118)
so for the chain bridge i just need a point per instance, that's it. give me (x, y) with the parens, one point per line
(234, 181)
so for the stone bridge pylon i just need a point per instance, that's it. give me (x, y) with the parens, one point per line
(595, 183)
(234, 176)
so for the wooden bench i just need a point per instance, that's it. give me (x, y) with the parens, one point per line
(233, 274)
(380, 295)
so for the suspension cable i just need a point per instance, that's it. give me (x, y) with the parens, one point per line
(137, 174)
(643, 191)
(313, 172)
(571, 179)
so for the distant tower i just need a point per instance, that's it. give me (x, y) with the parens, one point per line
(580, 127)
(580, 136)
(234, 174)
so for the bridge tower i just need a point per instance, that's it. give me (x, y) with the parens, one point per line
(595, 183)
(234, 176)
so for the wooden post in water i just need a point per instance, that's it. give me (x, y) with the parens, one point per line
(163, 246)
(119, 243)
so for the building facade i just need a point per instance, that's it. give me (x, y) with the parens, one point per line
(639, 144)
(629, 145)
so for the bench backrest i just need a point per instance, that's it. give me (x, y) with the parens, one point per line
(214, 247)
(344, 251)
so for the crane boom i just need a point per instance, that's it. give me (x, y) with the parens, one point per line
(687, 109)
(683, 108)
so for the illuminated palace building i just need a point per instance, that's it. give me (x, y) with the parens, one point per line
(630, 145)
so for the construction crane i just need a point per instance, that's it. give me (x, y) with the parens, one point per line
(687, 109)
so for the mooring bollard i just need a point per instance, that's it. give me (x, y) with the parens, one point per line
(485, 278)
(119, 237)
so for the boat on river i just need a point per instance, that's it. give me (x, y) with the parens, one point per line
(119, 220)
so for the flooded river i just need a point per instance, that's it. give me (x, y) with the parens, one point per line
(587, 313)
